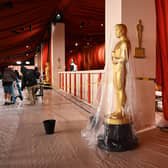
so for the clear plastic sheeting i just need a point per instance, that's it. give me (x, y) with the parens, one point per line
(108, 105)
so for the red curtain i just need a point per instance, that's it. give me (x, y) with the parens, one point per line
(88, 58)
(45, 55)
(50, 61)
(162, 51)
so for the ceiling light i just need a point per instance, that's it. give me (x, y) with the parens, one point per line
(27, 54)
(76, 44)
(58, 17)
(102, 25)
(18, 62)
(27, 62)
(88, 43)
(27, 46)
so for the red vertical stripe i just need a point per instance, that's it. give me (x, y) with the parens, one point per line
(74, 84)
(81, 86)
(89, 96)
(70, 83)
(63, 81)
(66, 82)
(59, 80)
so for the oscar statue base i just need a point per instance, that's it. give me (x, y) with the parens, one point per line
(139, 53)
(117, 138)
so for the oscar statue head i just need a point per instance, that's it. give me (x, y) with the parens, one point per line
(120, 30)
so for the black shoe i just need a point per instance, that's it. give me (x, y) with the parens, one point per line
(21, 97)
(6, 103)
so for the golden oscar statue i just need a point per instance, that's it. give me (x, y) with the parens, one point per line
(118, 135)
(119, 59)
(139, 33)
(47, 73)
(139, 51)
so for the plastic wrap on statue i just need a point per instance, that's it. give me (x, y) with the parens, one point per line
(111, 127)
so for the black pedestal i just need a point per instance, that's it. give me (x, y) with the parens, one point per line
(117, 138)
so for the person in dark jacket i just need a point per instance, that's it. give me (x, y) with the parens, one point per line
(29, 81)
(7, 81)
(37, 74)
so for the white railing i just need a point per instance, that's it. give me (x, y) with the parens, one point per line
(82, 84)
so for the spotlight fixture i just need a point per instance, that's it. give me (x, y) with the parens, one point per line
(18, 62)
(76, 44)
(27, 54)
(27, 62)
(101, 24)
(58, 17)
(27, 46)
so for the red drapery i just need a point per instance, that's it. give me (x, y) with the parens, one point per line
(88, 58)
(50, 61)
(45, 55)
(162, 51)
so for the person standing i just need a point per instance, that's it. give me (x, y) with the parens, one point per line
(73, 66)
(37, 74)
(7, 81)
(29, 81)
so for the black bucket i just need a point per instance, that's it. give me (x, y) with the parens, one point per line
(49, 126)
